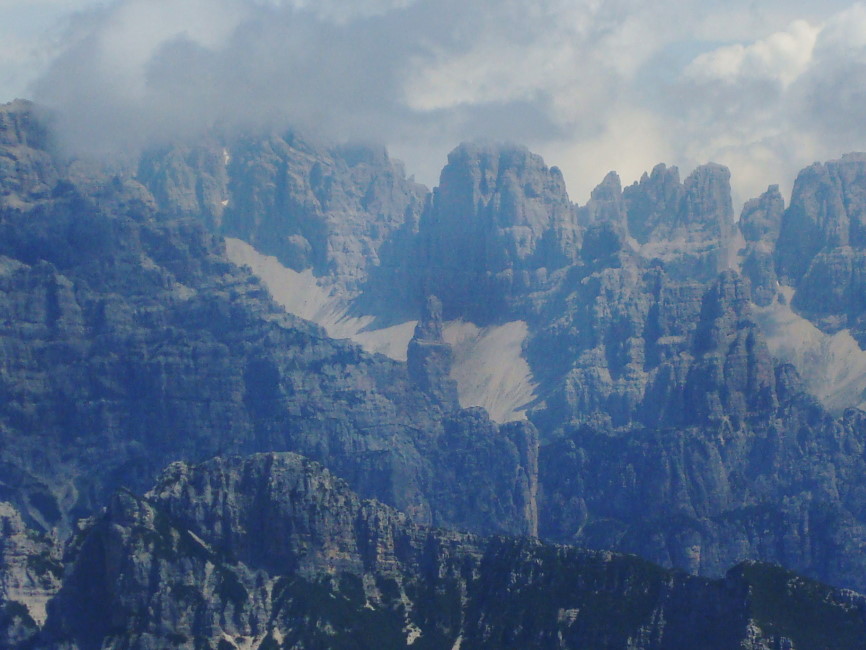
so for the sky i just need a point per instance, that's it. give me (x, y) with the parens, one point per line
(765, 88)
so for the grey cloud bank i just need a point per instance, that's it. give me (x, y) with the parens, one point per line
(585, 83)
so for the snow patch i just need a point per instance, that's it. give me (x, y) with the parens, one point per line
(832, 366)
(489, 367)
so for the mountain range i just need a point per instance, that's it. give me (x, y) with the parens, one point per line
(264, 392)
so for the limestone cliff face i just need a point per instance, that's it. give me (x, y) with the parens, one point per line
(688, 226)
(675, 435)
(820, 249)
(500, 221)
(429, 357)
(272, 551)
(628, 344)
(826, 211)
(189, 181)
(668, 373)
(343, 211)
(27, 172)
(760, 224)
(128, 341)
(30, 574)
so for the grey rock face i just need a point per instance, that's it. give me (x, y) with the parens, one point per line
(760, 224)
(687, 226)
(784, 489)
(761, 219)
(821, 248)
(680, 438)
(130, 341)
(429, 357)
(27, 172)
(606, 205)
(189, 181)
(333, 210)
(631, 345)
(827, 211)
(273, 550)
(30, 574)
(500, 221)
(630, 357)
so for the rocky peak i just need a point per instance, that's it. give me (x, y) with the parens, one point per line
(502, 186)
(821, 249)
(761, 218)
(606, 205)
(30, 574)
(330, 209)
(760, 223)
(828, 210)
(500, 220)
(429, 358)
(27, 171)
(707, 211)
(687, 226)
(661, 208)
(281, 512)
(19, 126)
(651, 201)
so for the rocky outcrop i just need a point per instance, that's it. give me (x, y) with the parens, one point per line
(826, 211)
(189, 181)
(273, 551)
(630, 345)
(27, 171)
(499, 223)
(342, 211)
(701, 498)
(669, 431)
(687, 226)
(606, 205)
(429, 357)
(760, 224)
(128, 341)
(30, 574)
(821, 248)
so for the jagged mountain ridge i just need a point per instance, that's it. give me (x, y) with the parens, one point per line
(273, 551)
(636, 333)
(654, 376)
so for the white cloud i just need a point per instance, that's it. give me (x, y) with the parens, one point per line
(771, 106)
(780, 57)
(595, 85)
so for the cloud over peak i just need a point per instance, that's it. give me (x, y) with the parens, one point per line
(592, 85)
